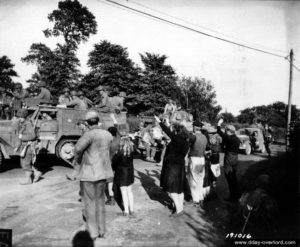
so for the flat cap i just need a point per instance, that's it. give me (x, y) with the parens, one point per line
(91, 115)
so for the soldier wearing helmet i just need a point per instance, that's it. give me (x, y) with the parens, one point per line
(87, 101)
(117, 101)
(19, 94)
(76, 102)
(104, 101)
(5, 104)
(27, 147)
(92, 160)
(65, 98)
(44, 92)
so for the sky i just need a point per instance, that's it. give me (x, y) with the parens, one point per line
(241, 77)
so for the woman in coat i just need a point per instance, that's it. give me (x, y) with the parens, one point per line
(173, 169)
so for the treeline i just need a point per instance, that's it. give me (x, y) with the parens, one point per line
(274, 114)
(148, 87)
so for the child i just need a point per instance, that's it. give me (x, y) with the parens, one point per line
(124, 173)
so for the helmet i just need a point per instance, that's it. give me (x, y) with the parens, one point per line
(91, 114)
(66, 90)
(18, 85)
(100, 88)
(42, 84)
(74, 93)
(122, 94)
(22, 113)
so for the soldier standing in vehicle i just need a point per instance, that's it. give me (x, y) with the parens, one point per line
(87, 101)
(19, 95)
(44, 92)
(104, 103)
(232, 144)
(5, 100)
(76, 102)
(65, 98)
(27, 147)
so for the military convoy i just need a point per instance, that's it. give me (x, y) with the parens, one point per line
(57, 130)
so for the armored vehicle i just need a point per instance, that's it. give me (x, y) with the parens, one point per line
(57, 130)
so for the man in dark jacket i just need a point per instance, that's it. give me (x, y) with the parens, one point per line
(232, 144)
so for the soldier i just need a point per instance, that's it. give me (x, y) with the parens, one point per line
(27, 147)
(88, 102)
(77, 103)
(267, 138)
(19, 95)
(104, 104)
(5, 101)
(65, 98)
(44, 92)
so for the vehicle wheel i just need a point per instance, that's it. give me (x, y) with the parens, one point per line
(65, 149)
(248, 149)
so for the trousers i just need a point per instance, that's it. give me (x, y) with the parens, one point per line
(93, 203)
(196, 176)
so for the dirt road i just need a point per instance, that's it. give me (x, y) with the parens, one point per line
(48, 213)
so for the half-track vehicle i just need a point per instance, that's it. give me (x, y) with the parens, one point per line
(57, 130)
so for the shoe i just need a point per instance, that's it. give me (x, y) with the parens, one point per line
(28, 178)
(101, 235)
(123, 214)
(110, 201)
(176, 215)
(37, 176)
(148, 159)
(132, 215)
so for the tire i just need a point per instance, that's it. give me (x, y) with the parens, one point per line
(65, 149)
(248, 149)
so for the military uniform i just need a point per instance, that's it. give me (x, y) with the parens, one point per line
(27, 147)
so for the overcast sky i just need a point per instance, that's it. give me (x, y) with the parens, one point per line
(241, 77)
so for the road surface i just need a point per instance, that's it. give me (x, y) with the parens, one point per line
(48, 213)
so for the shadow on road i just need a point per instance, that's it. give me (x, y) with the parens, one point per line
(154, 191)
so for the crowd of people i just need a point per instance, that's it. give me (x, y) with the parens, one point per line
(190, 161)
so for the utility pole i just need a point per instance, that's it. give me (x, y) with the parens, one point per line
(289, 101)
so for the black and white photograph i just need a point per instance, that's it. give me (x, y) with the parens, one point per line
(149, 123)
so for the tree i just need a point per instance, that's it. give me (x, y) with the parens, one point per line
(50, 67)
(228, 117)
(73, 21)
(59, 67)
(111, 66)
(6, 72)
(199, 97)
(159, 83)
(274, 114)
